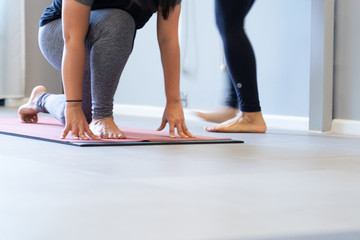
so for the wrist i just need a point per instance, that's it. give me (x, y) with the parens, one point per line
(73, 104)
(173, 101)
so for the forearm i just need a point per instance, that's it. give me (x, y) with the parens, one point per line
(170, 57)
(75, 22)
(73, 69)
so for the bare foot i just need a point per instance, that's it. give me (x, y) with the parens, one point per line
(244, 122)
(28, 112)
(106, 129)
(219, 116)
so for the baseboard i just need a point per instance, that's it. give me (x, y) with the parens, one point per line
(272, 121)
(15, 102)
(342, 126)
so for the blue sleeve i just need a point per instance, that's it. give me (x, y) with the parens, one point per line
(86, 2)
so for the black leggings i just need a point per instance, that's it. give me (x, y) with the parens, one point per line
(239, 54)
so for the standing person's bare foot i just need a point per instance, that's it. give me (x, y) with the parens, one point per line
(219, 116)
(106, 129)
(244, 122)
(28, 112)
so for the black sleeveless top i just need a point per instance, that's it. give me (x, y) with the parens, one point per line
(141, 13)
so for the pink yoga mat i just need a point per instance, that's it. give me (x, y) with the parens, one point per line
(49, 129)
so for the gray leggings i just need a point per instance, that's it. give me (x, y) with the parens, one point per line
(109, 43)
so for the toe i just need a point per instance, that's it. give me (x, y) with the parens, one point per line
(104, 136)
(209, 129)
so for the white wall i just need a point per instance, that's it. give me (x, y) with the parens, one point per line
(12, 49)
(280, 32)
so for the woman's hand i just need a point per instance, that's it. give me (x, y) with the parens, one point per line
(174, 115)
(76, 123)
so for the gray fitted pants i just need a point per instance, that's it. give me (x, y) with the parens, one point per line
(109, 43)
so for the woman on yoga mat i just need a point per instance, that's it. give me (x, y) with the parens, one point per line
(90, 42)
(241, 65)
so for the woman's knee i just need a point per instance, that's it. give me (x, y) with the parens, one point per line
(113, 24)
(51, 42)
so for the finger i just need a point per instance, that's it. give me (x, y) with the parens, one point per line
(82, 134)
(163, 125)
(75, 134)
(65, 133)
(180, 131)
(172, 130)
(186, 131)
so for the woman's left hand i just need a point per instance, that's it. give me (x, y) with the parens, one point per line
(174, 115)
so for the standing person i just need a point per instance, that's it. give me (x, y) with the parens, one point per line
(90, 41)
(241, 64)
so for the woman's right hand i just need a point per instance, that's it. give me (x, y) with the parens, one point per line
(76, 123)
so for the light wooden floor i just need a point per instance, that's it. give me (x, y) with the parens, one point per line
(277, 186)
